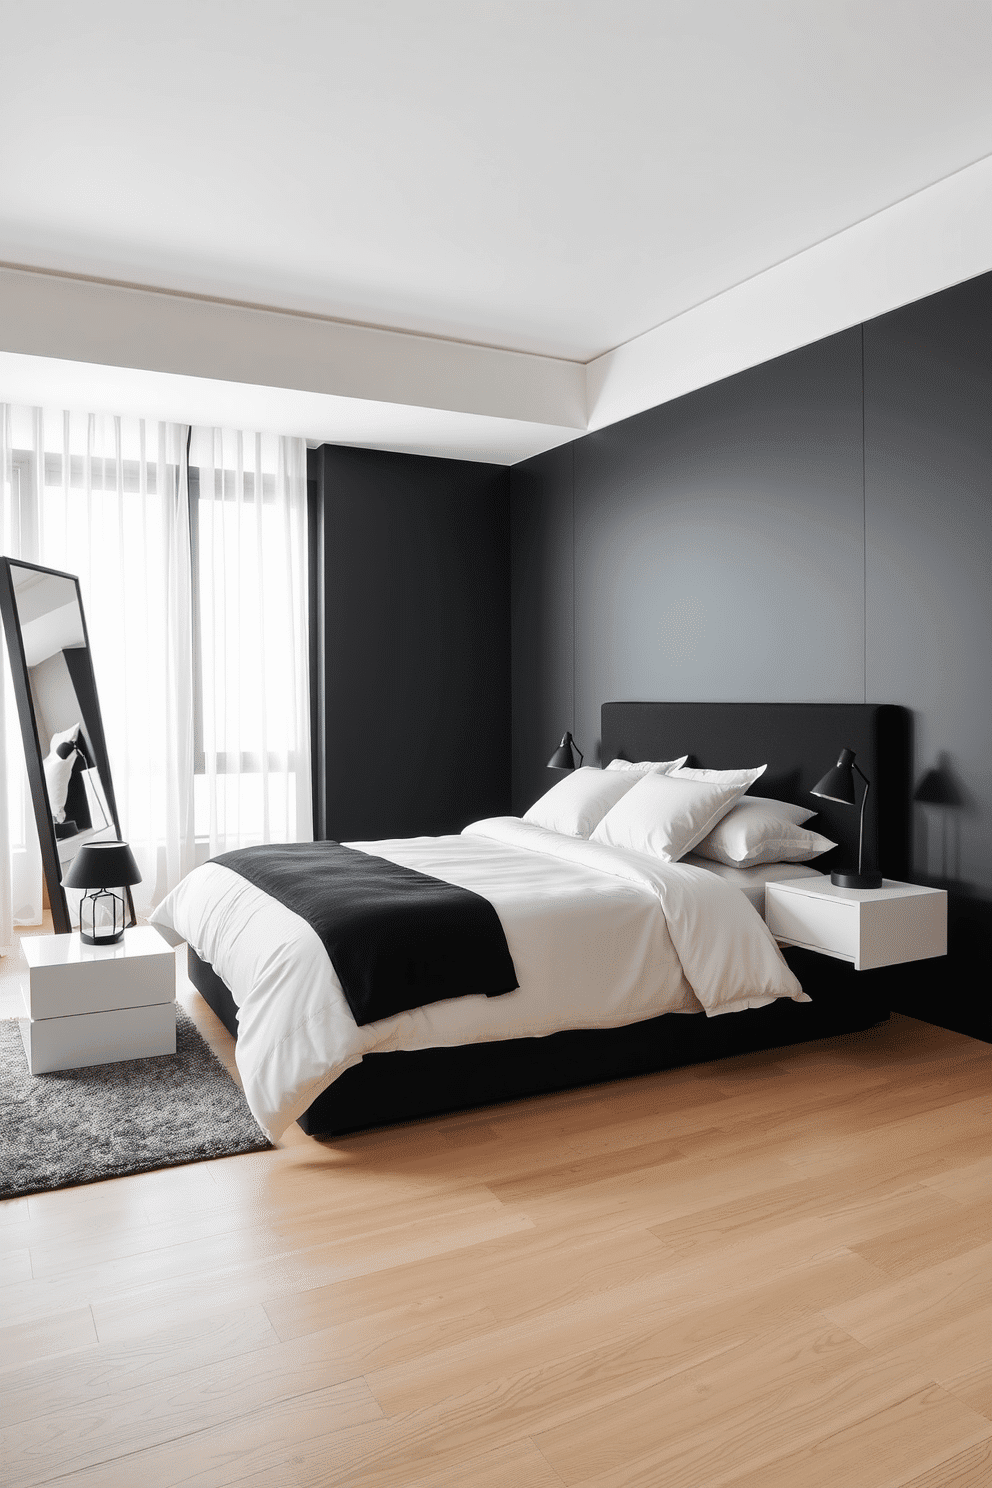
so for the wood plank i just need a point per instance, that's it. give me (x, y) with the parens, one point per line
(553, 1177)
(46, 1337)
(602, 1348)
(15, 1265)
(928, 1240)
(232, 1450)
(214, 1274)
(49, 1386)
(886, 1448)
(772, 1120)
(506, 1467)
(531, 1271)
(842, 1211)
(741, 1409)
(193, 1400)
(971, 1468)
(13, 1211)
(298, 1221)
(973, 1386)
(932, 1315)
(965, 1120)
(967, 1183)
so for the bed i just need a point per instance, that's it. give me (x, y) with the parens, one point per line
(382, 1083)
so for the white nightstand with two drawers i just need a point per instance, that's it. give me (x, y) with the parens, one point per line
(868, 927)
(98, 1004)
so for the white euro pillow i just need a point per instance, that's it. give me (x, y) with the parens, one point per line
(666, 816)
(648, 767)
(758, 830)
(578, 803)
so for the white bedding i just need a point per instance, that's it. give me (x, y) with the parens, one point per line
(751, 881)
(599, 937)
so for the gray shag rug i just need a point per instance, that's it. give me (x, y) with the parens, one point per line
(83, 1125)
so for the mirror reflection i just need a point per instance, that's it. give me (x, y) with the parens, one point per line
(55, 655)
(60, 718)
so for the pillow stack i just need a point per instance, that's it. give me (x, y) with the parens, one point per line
(758, 831)
(648, 767)
(667, 815)
(663, 808)
(577, 804)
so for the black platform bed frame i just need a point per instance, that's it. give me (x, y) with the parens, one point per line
(799, 742)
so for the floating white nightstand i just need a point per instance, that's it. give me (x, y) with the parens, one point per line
(98, 1004)
(870, 927)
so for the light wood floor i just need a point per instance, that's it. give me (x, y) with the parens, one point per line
(773, 1272)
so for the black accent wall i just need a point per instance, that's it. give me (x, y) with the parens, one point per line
(410, 643)
(815, 529)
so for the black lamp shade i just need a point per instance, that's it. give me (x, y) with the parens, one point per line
(102, 865)
(838, 783)
(564, 756)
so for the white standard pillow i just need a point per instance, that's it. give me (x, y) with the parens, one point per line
(666, 816)
(721, 777)
(648, 767)
(758, 831)
(67, 736)
(578, 803)
(58, 773)
(785, 811)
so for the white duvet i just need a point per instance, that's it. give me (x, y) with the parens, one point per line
(600, 937)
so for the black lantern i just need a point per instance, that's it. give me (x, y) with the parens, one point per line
(838, 785)
(100, 868)
(564, 757)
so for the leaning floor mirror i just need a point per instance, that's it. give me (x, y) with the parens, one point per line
(64, 746)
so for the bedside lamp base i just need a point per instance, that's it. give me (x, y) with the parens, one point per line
(846, 880)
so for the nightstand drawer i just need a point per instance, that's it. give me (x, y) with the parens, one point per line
(871, 927)
(84, 1039)
(828, 925)
(67, 977)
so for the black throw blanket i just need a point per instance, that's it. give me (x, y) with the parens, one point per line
(396, 938)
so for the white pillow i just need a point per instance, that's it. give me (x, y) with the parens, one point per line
(666, 816)
(759, 831)
(785, 811)
(58, 773)
(578, 803)
(648, 767)
(721, 777)
(67, 736)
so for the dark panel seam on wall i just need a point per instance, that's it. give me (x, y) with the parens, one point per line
(573, 589)
(864, 528)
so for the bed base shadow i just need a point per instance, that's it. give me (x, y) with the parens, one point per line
(403, 1086)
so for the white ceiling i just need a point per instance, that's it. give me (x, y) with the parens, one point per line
(554, 177)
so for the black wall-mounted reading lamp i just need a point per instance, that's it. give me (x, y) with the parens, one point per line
(838, 785)
(564, 756)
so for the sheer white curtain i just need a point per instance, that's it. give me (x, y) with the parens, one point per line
(20, 855)
(249, 520)
(6, 901)
(195, 602)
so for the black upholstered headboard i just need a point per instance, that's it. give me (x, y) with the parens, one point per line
(799, 742)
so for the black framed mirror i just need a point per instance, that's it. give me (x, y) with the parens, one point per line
(59, 710)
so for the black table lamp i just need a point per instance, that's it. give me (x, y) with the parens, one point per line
(563, 757)
(838, 785)
(101, 911)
